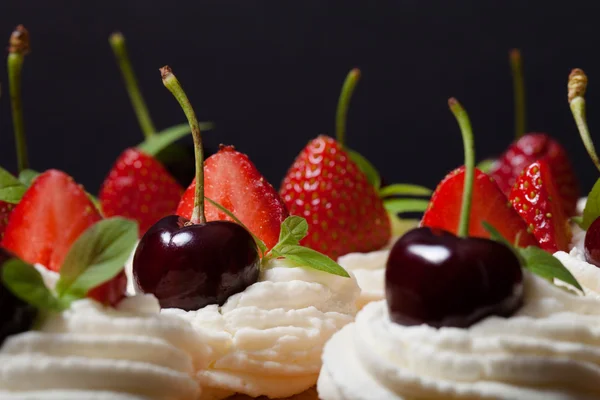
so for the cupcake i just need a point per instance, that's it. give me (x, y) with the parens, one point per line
(230, 264)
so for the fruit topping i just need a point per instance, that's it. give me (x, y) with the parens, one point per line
(536, 199)
(232, 180)
(16, 315)
(489, 204)
(592, 243)
(190, 263)
(140, 188)
(50, 217)
(531, 147)
(434, 277)
(343, 209)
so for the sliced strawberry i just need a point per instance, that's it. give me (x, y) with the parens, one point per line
(535, 196)
(232, 180)
(343, 210)
(140, 188)
(52, 214)
(5, 211)
(489, 205)
(533, 147)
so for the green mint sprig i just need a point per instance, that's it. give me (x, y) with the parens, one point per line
(536, 260)
(96, 257)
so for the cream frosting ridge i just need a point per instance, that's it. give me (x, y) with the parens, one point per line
(550, 349)
(267, 340)
(94, 352)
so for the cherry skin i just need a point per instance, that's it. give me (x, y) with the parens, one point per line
(16, 316)
(436, 278)
(190, 266)
(592, 243)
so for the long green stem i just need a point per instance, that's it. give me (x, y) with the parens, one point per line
(117, 42)
(467, 135)
(344, 103)
(576, 91)
(171, 83)
(18, 47)
(519, 92)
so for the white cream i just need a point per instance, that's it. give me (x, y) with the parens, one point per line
(268, 339)
(550, 350)
(94, 352)
(369, 270)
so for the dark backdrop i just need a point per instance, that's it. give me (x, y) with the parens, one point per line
(269, 72)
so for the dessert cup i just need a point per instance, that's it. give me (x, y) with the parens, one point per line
(547, 350)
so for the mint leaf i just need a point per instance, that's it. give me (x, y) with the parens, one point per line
(405, 205)
(547, 266)
(592, 206)
(536, 260)
(404, 189)
(259, 243)
(11, 189)
(486, 165)
(27, 176)
(293, 230)
(25, 282)
(366, 167)
(97, 256)
(305, 257)
(154, 144)
(400, 225)
(578, 219)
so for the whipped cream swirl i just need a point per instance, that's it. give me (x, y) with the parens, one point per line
(268, 339)
(550, 349)
(369, 270)
(94, 352)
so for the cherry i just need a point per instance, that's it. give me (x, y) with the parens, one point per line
(16, 316)
(436, 278)
(190, 264)
(592, 243)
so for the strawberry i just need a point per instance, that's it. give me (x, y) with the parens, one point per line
(140, 188)
(343, 210)
(232, 180)
(52, 214)
(5, 211)
(489, 205)
(528, 149)
(534, 196)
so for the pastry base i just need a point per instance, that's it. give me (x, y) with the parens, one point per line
(310, 394)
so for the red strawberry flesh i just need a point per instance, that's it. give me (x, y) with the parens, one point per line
(343, 210)
(233, 181)
(140, 188)
(489, 205)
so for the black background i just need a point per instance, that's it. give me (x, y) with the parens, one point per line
(269, 73)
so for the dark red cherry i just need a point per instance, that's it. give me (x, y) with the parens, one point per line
(592, 243)
(436, 278)
(190, 266)
(16, 316)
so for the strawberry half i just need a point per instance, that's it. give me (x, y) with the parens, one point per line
(52, 214)
(535, 196)
(140, 188)
(343, 210)
(533, 147)
(232, 180)
(489, 205)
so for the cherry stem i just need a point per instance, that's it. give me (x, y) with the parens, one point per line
(171, 83)
(344, 103)
(516, 67)
(576, 88)
(117, 42)
(467, 134)
(18, 47)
